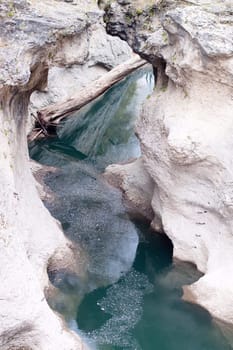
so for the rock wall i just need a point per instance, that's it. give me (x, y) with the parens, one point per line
(79, 60)
(185, 131)
(34, 36)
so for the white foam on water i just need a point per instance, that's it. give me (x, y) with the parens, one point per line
(124, 302)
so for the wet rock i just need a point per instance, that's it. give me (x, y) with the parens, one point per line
(97, 222)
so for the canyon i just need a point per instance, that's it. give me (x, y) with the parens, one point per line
(182, 183)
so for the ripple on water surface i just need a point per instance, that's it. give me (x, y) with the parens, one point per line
(144, 310)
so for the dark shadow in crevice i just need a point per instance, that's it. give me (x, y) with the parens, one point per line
(158, 247)
(159, 70)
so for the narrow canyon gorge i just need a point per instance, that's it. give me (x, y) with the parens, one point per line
(169, 151)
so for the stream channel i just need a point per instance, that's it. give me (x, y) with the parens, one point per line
(127, 292)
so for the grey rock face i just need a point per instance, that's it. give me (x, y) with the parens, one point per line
(185, 132)
(159, 30)
(26, 28)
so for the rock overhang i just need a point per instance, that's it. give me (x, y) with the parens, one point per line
(29, 31)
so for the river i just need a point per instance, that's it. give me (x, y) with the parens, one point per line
(128, 293)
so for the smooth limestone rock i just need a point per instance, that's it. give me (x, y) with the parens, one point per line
(34, 36)
(137, 187)
(186, 130)
(80, 60)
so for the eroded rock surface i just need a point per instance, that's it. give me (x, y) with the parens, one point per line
(80, 59)
(185, 131)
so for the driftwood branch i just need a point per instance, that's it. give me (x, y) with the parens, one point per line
(53, 114)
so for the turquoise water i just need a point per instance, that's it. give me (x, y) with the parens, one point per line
(144, 309)
(101, 133)
(127, 295)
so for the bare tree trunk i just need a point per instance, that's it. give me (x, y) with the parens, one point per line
(53, 114)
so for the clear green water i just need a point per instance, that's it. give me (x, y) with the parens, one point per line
(144, 309)
(128, 296)
(101, 133)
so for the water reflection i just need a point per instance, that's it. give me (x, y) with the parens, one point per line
(102, 132)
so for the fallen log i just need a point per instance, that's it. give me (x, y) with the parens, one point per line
(49, 117)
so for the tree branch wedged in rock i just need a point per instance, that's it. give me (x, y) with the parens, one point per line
(56, 112)
(51, 115)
